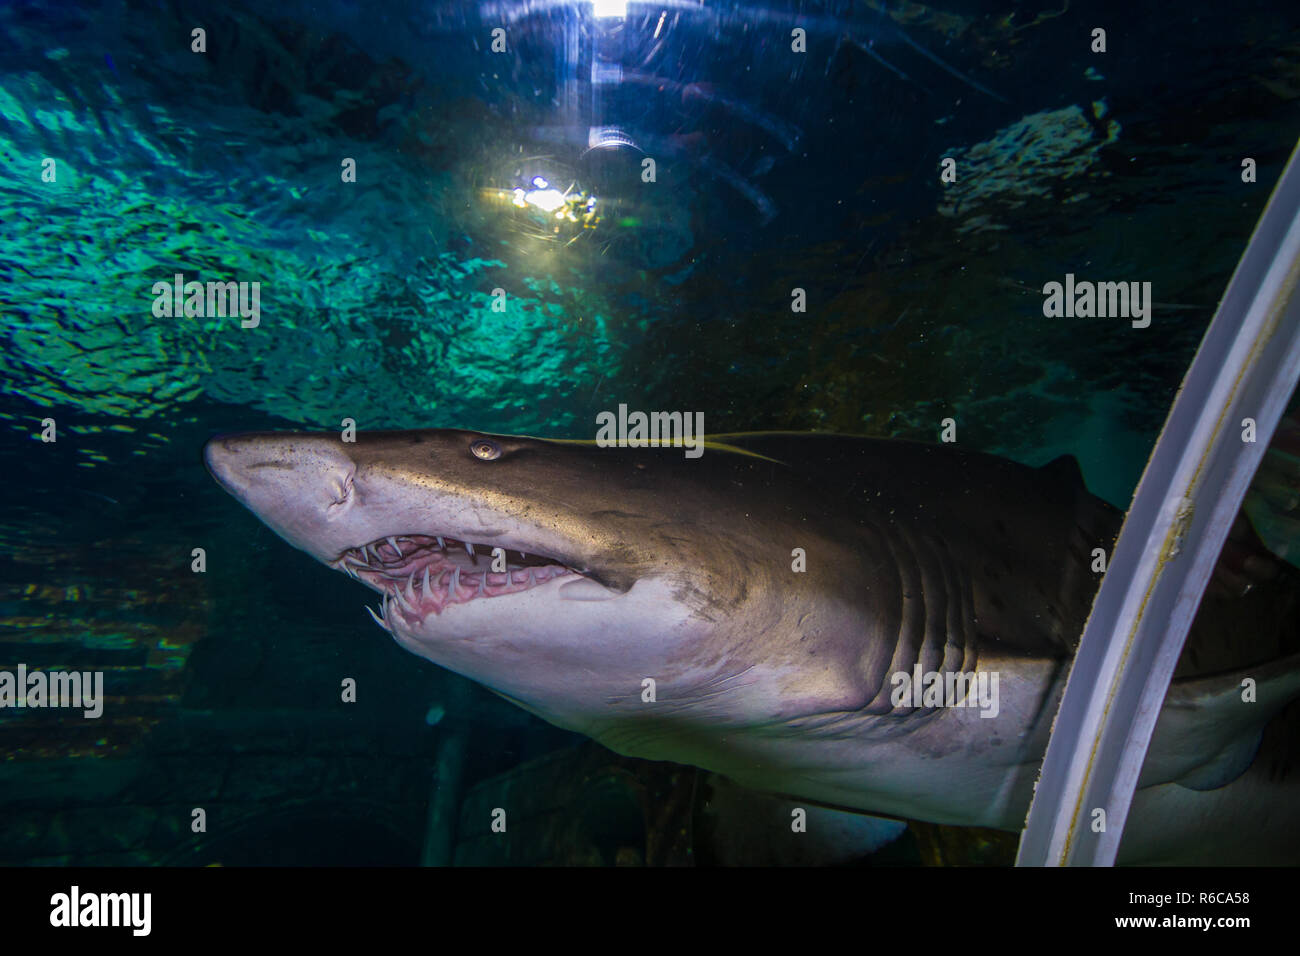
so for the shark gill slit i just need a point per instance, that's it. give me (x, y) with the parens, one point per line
(911, 620)
(935, 628)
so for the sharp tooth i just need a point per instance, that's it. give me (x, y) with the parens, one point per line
(455, 579)
(393, 542)
(410, 587)
(365, 554)
(378, 620)
(482, 579)
(426, 581)
(442, 545)
(469, 549)
(522, 556)
(401, 599)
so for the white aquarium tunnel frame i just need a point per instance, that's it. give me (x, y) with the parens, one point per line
(1246, 367)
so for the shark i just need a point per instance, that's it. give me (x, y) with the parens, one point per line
(766, 610)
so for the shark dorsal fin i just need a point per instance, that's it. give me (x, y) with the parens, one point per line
(1065, 469)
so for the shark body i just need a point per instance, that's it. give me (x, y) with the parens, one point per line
(749, 612)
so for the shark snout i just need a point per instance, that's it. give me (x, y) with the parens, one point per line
(222, 456)
(291, 482)
(239, 461)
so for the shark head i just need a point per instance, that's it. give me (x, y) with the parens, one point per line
(559, 574)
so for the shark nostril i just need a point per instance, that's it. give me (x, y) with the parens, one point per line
(345, 493)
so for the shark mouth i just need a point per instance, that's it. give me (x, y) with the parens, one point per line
(421, 574)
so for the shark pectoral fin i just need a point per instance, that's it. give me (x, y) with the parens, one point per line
(1227, 767)
(1210, 727)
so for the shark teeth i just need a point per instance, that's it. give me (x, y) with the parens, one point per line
(407, 605)
(420, 574)
(407, 551)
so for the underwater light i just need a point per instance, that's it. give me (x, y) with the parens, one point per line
(548, 200)
(604, 9)
(562, 214)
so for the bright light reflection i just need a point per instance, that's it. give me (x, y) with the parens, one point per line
(546, 199)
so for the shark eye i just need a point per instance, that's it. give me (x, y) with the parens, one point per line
(484, 449)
